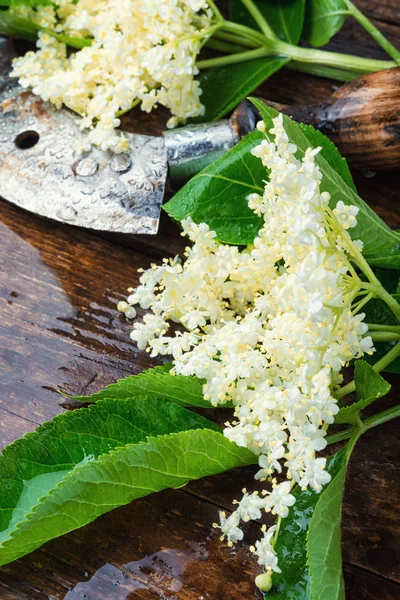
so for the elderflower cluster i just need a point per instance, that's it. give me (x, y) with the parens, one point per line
(142, 51)
(268, 328)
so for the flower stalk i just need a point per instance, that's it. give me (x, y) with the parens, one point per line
(320, 62)
(383, 417)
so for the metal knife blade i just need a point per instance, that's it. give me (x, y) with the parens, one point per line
(101, 191)
(39, 172)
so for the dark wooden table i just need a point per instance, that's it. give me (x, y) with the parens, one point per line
(59, 329)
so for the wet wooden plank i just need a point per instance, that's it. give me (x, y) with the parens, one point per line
(158, 547)
(62, 330)
(155, 548)
(59, 328)
(383, 10)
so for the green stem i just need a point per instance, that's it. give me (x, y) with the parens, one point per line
(333, 59)
(236, 39)
(340, 436)
(278, 526)
(374, 32)
(123, 112)
(384, 336)
(382, 417)
(300, 56)
(358, 306)
(246, 32)
(380, 291)
(391, 328)
(77, 43)
(374, 421)
(259, 19)
(233, 58)
(224, 46)
(215, 10)
(322, 71)
(387, 359)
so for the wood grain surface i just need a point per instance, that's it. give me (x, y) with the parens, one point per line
(60, 331)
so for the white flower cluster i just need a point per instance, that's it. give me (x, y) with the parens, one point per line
(269, 328)
(142, 51)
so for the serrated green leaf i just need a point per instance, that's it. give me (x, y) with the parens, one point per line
(69, 439)
(369, 387)
(336, 160)
(294, 581)
(154, 383)
(83, 464)
(324, 555)
(377, 237)
(217, 195)
(234, 83)
(324, 18)
(285, 18)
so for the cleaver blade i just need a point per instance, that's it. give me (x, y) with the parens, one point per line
(102, 191)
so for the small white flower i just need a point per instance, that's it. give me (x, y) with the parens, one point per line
(250, 506)
(315, 474)
(346, 214)
(229, 527)
(280, 499)
(266, 555)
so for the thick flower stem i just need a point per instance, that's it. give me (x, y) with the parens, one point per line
(222, 46)
(236, 39)
(389, 328)
(271, 46)
(323, 71)
(333, 59)
(246, 32)
(384, 336)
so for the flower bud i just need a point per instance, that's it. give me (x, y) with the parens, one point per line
(264, 582)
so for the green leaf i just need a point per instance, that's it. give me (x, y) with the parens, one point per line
(324, 555)
(294, 581)
(369, 387)
(26, 29)
(25, 2)
(234, 83)
(324, 18)
(217, 195)
(154, 383)
(285, 17)
(17, 27)
(377, 237)
(329, 152)
(85, 463)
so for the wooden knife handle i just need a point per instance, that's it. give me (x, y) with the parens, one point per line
(362, 118)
